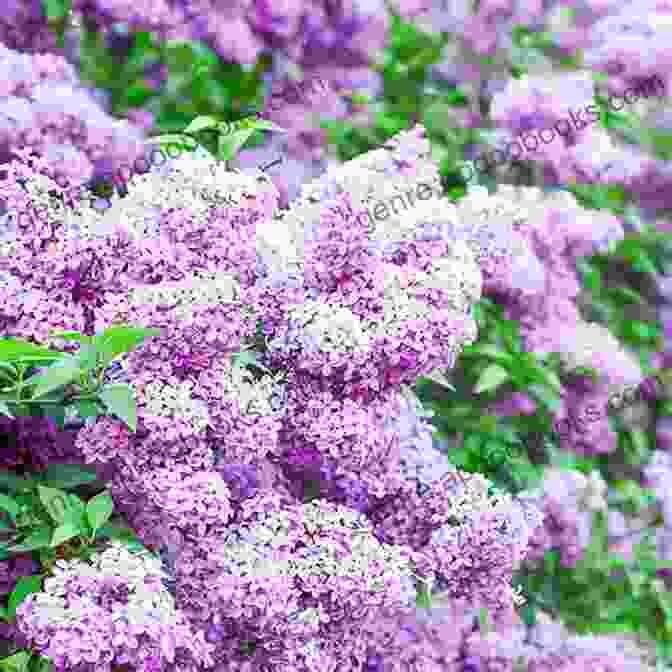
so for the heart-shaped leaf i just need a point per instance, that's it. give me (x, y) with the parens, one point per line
(63, 533)
(120, 339)
(492, 377)
(99, 510)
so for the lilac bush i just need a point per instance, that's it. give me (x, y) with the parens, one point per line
(305, 419)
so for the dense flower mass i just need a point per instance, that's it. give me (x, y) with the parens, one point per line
(282, 468)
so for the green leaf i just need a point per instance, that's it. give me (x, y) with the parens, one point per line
(16, 663)
(54, 502)
(39, 538)
(119, 400)
(183, 141)
(200, 124)
(76, 513)
(24, 587)
(260, 124)
(229, 145)
(99, 510)
(57, 375)
(68, 475)
(87, 409)
(121, 339)
(66, 335)
(13, 349)
(88, 357)
(40, 664)
(63, 533)
(489, 351)
(9, 505)
(492, 377)
(4, 409)
(552, 380)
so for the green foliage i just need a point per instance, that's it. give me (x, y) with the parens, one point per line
(99, 510)
(70, 381)
(24, 587)
(605, 593)
(616, 299)
(119, 400)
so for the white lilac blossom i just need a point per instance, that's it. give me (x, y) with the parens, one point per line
(205, 288)
(330, 327)
(311, 549)
(253, 397)
(194, 183)
(160, 403)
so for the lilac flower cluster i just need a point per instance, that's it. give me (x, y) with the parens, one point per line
(47, 110)
(536, 281)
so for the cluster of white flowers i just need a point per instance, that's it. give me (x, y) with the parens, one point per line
(115, 565)
(332, 327)
(254, 397)
(342, 545)
(365, 555)
(193, 182)
(204, 289)
(174, 401)
(203, 181)
(470, 496)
